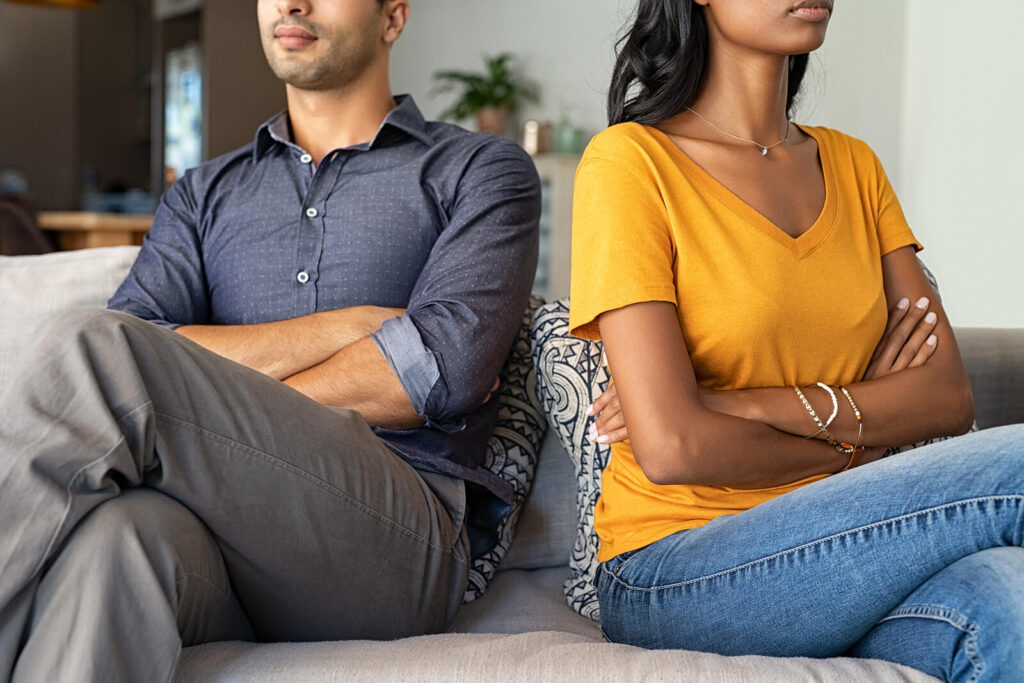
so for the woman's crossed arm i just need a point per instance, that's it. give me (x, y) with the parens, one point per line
(751, 438)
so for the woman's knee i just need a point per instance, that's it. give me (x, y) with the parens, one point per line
(965, 622)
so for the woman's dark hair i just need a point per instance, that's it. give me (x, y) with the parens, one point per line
(662, 62)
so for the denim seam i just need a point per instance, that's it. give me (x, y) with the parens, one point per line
(821, 541)
(954, 619)
(292, 469)
(71, 496)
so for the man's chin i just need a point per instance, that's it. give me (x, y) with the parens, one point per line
(303, 78)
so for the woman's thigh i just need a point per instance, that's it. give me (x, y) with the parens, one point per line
(809, 573)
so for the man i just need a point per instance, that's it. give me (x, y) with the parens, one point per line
(365, 272)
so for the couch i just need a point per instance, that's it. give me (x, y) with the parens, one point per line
(521, 628)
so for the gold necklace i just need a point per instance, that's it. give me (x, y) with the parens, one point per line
(764, 148)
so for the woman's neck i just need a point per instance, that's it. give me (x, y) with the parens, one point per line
(745, 94)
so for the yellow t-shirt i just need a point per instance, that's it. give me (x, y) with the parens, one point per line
(757, 307)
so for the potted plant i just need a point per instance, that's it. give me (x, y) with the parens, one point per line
(489, 96)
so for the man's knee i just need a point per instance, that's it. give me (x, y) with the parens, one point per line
(145, 526)
(76, 322)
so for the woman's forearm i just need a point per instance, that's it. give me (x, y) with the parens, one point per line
(715, 449)
(903, 407)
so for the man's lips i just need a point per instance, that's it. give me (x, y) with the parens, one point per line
(293, 36)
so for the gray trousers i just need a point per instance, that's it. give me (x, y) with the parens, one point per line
(154, 495)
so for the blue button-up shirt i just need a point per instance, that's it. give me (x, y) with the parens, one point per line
(426, 217)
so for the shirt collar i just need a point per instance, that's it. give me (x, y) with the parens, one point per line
(405, 117)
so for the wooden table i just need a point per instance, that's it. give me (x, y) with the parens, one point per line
(83, 229)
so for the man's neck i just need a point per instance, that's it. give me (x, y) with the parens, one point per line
(325, 120)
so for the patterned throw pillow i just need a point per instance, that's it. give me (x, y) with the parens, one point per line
(514, 446)
(570, 375)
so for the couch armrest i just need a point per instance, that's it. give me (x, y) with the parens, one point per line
(994, 359)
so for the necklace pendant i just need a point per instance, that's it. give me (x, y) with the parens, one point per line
(764, 151)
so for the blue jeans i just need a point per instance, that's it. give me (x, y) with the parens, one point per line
(914, 559)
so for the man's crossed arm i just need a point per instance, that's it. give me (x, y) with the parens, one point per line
(315, 353)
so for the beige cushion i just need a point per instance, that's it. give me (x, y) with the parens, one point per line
(537, 656)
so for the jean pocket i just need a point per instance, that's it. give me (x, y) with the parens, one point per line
(613, 567)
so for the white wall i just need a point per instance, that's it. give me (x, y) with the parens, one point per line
(855, 81)
(934, 89)
(565, 45)
(963, 154)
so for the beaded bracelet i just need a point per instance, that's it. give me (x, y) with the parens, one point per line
(813, 414)
(835, 403)
(856, 414)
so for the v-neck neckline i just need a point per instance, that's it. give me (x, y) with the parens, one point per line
(802, 245)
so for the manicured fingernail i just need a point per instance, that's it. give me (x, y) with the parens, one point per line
(592, 432)
(603, 438)
(932, 340)
(922, 302)
(930, 318)
(903, 303)
(590, 409)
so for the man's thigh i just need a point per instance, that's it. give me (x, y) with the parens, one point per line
(325, 532)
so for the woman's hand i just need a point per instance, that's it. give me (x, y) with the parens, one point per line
(908, 340)
(609, 426)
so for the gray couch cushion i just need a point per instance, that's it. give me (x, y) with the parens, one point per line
(995, 361)
(32, 288)
(524, 600)
(547, 525)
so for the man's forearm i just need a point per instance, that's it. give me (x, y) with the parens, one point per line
(358, 377)
(287, 347)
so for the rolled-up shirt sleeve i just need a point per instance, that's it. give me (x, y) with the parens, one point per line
(166, 285)
(450, 345)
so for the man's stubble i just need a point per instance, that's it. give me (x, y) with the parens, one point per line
(343, 55)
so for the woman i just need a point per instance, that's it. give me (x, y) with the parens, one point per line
(770, 334)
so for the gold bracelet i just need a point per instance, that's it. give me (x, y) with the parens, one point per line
(814, 415)
(856, 413)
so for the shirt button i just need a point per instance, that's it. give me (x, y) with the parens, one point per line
(306, 158)
(311, 212)
(302, 277)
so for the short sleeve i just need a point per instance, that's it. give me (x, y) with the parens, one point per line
(893, 230)
(622, 250)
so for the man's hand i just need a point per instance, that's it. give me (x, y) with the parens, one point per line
(908, 340)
